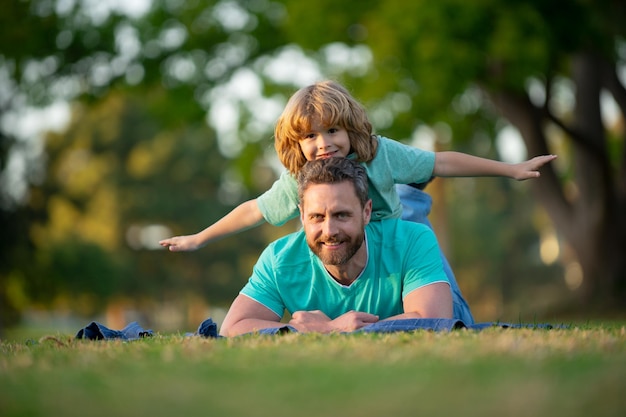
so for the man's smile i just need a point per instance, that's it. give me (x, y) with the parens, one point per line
(332, 245)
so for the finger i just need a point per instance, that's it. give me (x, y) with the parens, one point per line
(371, 319)
(367, 318)
(545, 159)
(530, 174)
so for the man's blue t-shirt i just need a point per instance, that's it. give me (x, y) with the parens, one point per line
(402, 257)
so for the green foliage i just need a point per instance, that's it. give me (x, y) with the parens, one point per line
(573, 372)
(115, 174)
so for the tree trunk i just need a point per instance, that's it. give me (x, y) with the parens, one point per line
(592, 220)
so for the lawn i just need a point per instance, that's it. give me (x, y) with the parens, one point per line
(579, 371)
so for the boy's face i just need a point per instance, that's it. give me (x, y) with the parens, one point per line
(325, 142)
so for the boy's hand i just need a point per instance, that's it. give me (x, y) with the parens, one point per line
(530, 169)
(180, 243)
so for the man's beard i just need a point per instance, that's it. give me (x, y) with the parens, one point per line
(339, 256)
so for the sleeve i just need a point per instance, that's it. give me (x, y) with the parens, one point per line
(279, 204)
(407, 163)
(423, 261)
(261, 286)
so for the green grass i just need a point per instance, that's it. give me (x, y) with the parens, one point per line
(515, 372)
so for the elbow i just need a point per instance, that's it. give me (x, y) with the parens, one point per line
(228, 329)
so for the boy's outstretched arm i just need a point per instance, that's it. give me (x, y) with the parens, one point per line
(244, 216)
(457, 164)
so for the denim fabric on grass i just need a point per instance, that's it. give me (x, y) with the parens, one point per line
(435, 325)
(97, 331)
(546, 326)
(208, 328)
(406, 325)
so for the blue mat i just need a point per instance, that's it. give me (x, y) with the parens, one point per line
(208, 328)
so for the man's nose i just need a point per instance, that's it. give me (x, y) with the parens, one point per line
(329, 227)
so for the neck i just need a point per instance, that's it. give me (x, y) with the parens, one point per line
(347, 273)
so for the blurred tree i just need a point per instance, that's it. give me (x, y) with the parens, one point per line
(467, 64)
(126, 164)
(117, 182)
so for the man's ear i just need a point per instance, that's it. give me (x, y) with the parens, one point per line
(367, 211)
(301, 212)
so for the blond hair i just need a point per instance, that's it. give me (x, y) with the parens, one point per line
(332, 105)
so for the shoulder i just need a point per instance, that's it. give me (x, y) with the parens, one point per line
(396, 232)
(280, 202)
(385, 150)
(399, 226)
(384, 142)
(285, 184)
(392, 150)
(397, 246)
(287, 249)
(392, 146)
(286, 179)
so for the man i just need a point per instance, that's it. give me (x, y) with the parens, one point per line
(342, 272)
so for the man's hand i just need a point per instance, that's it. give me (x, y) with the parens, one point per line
(316, 321)
(181, 243)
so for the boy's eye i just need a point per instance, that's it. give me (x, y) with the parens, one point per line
(333, 130)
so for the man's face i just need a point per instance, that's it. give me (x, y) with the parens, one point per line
(334, 221)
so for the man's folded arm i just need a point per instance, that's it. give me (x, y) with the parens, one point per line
(247, 315)
(430, 301)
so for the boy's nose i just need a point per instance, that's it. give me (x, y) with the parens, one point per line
(322, 141)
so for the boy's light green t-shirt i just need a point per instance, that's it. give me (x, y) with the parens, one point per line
(394, 163)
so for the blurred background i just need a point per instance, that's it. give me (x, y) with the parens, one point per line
(123, 122)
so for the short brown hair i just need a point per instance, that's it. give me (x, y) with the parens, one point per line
(332, 171)
(331, 104)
